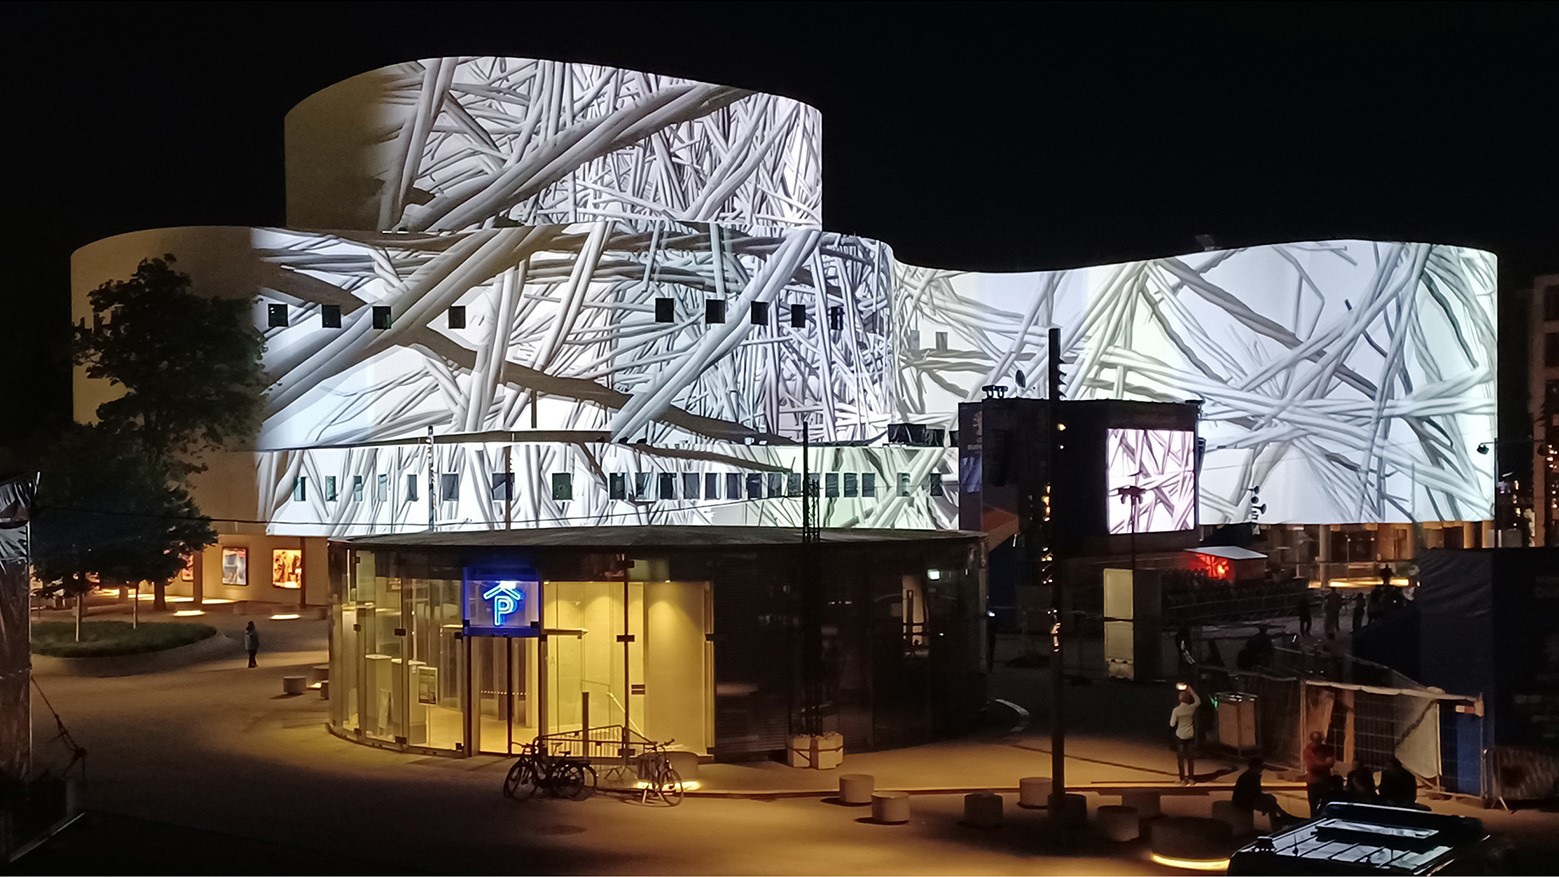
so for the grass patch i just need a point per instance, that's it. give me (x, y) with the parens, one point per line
(102, 639)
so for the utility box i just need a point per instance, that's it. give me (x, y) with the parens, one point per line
(1237, 721)
(1132, 629)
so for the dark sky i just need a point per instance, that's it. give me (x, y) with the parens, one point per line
(965, 134)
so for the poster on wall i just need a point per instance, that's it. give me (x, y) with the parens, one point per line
(187, 573)
(427, 684)
(287, 568)
(235, 566)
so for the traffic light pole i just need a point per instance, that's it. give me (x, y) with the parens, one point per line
(1052, 548)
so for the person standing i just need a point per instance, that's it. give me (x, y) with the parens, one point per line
(1398, 786)
(1303, 610)
(1182, 722)
(251, 642)
(1319, 761)
(1358, 611)
(1332, 606)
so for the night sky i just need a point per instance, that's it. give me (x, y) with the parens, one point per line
(994, 136)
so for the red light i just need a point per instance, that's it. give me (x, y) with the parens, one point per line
(1217, 567)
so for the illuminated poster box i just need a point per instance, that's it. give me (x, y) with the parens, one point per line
(235, 566)
(287, 568)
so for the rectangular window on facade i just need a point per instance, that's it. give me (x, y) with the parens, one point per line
(759, 314)
(300, 489)
(357, 488)
(934, 483)
(502, 486)
(1551, 302)
(814, 484)
(381, 316)
(642, 484)
(666, 485)
(449, 487)
(733, 485)
(382, 488)
(941, 341)
(714, 310)
(903, 484)
(330, 488)
(665, 310)
(711, 485)
(1551, 350)
(562, 486)
(690, 485)
(411, 488)
(276, 316)
(617, 486)
(793, 484)
(831, 484)
(851, 485)
(754, 485)
(798, 316)
(868, 484)
(457, 316)
(836, 318)
(330, 316)
(776, 485)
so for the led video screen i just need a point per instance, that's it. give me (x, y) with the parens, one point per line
(1151, 480)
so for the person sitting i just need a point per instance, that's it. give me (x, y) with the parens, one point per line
(1248, 794)
(1361, 785)
(1398, 786)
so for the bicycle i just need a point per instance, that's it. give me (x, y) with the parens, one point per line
(559, 776)
(657, 776)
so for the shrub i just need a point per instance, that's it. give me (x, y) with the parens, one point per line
(101, 639)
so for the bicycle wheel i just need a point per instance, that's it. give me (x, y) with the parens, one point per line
(587, 783)
(568, 781)
(521, 782)
(671, 787)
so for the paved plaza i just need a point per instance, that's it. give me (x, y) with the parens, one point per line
(213, 761)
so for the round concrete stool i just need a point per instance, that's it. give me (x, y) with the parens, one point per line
(856, 788)
(324, 689)
(319, 673)
(1240, 822)
(1147, 804)
(982, 809)
(293, 684)
(1192, 837)
(1069, 810)
(1034, 792)
(1118, 823)
(890, 808)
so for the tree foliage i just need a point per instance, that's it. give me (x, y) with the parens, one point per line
(111, 505)
(189, 364)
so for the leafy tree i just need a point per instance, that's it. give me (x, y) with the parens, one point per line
(110, 506)
(189, 364)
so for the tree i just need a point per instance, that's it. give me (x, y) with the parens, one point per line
(109, 507)
(189, 364)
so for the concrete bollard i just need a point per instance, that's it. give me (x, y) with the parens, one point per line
(1240, 822)
(1147, 804)
(319, 673)
(1034, 792)
(293, 684)
(856, 788)
(1118, 823)
(1069, 810)
(890, 808)
(983, 809)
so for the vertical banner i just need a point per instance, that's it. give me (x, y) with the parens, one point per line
(16, 497)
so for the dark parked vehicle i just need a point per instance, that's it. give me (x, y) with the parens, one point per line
(1373, 839)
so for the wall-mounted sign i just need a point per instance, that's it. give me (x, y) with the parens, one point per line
(287, 568)
(503, 603)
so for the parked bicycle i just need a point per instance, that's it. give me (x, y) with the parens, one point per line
(558, 775)
(657, 776)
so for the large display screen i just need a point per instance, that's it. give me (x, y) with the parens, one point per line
(1151, 480)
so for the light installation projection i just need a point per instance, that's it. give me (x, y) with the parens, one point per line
(1151, 474)
(606, 295)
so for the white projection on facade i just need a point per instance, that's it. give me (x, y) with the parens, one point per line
(467, 143)
(1159, 467)
(1350, 380)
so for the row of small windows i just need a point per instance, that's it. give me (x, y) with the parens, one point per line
(643, 485)
(276, 316)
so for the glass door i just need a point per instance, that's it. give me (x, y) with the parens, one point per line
(505, 709)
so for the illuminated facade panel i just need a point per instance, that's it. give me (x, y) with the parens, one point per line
(1159, 466)
(459, 144)
(1350, 380)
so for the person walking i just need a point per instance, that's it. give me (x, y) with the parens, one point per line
(1319, 761)
(1182, 722)
(251, 642)
(1303, 609)
(1331, 605)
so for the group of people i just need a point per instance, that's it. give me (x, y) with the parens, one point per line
(1381, 600)
(1398, 787)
